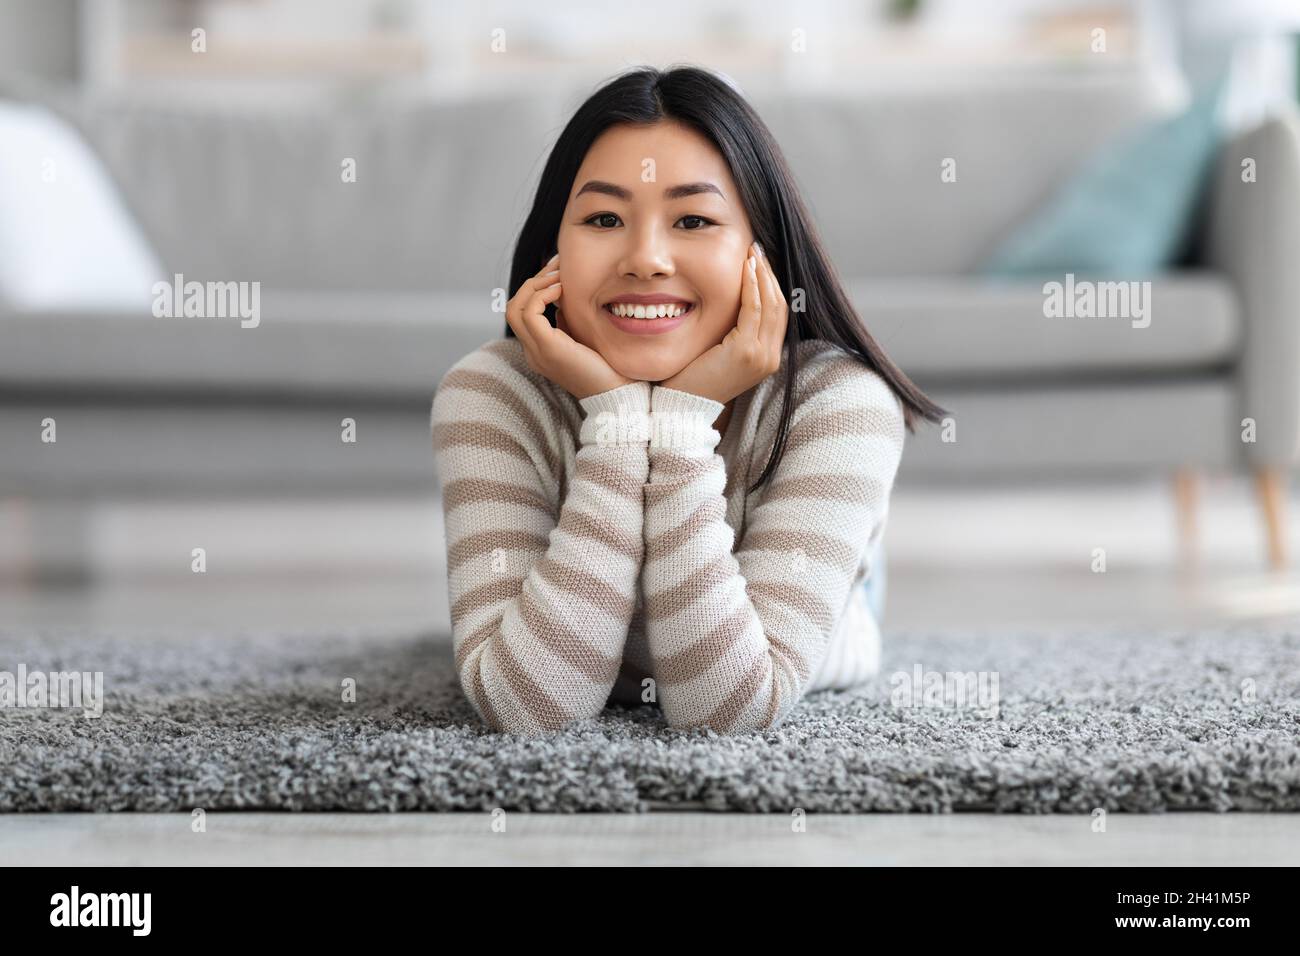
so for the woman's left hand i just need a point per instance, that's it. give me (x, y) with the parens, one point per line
(752, 350)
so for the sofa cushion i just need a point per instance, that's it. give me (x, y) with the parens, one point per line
(961, 328)
(411, 196)
(871, 161)
(1128, 210)
(393, 345)
(377, 345)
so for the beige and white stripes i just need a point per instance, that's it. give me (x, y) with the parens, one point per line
(577, 551)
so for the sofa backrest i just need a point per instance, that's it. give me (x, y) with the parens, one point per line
(870, 165)
(260, 194)
(442, 187)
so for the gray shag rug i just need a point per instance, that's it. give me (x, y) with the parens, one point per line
(1126, 721)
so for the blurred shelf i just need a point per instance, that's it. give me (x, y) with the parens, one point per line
(170, 55)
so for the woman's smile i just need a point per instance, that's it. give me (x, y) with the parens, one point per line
(648, 314)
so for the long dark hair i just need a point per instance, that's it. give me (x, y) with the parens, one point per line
(709, 104)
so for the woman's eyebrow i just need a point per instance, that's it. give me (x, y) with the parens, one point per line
(672, 192)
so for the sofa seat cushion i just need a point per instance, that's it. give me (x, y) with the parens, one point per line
(966, 328)
(398, 345)
(373, 344)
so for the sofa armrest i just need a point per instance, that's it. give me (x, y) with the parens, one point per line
(1253, 236)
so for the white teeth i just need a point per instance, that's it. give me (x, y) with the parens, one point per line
(663, 310)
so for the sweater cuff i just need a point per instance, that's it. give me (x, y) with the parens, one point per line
(683, 420)
(619, 416)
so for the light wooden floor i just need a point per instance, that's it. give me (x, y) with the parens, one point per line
(980, 560)
(694, 839)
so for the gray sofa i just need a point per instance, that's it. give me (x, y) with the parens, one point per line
(372, 289)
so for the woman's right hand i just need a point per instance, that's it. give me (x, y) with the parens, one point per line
(552, 352)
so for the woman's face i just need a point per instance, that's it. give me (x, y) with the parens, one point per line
(630, 229)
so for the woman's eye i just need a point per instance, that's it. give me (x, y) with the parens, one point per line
(591, 220)
(699, 219)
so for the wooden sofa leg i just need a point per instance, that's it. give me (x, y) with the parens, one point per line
(1185, 507)
(1270, 484)
(50, 543)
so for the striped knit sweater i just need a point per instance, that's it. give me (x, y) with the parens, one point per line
(583, 559)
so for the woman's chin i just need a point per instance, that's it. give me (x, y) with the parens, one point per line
(645, 369)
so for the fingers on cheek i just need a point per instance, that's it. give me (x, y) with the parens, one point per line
(769, 281)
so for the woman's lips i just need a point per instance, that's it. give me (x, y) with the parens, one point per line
(647, 326)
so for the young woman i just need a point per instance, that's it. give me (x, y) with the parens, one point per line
(669, 481)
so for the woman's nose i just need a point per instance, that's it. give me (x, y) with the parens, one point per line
(648, 255)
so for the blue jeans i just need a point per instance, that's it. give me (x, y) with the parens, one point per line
(875, 581)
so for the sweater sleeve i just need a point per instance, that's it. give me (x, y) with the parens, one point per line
(736, 638)
(541, 591)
